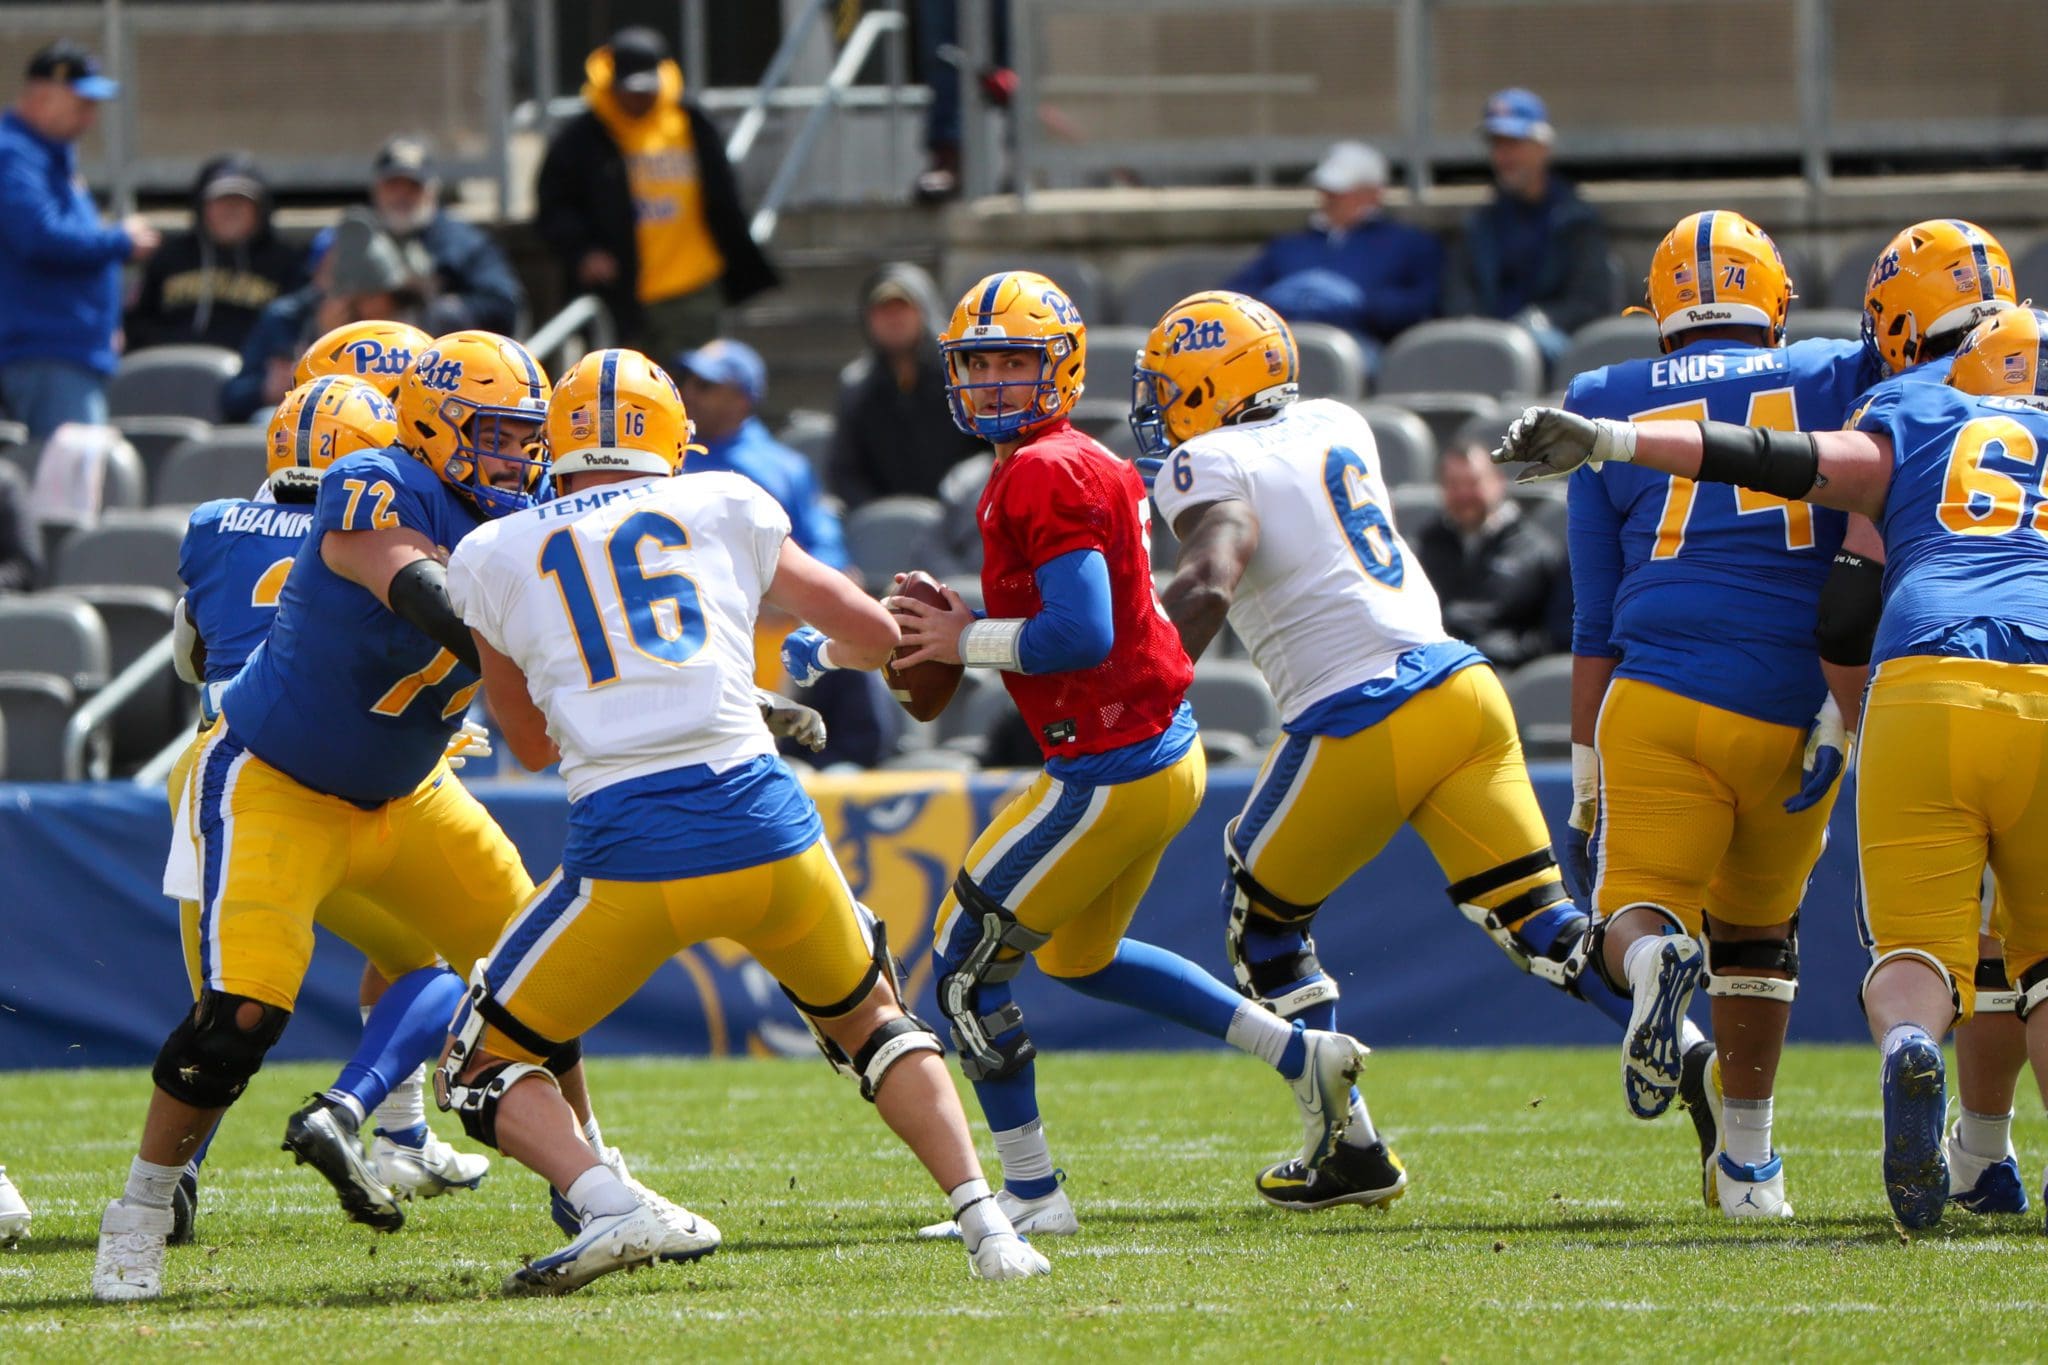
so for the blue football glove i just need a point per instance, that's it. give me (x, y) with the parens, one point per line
(1578, 838)
(803, 656)
(1827, 753)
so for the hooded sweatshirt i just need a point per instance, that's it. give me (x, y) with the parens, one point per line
(194, 290)
(889, 439)
(676, 250)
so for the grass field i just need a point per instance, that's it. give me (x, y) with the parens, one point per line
(1543, 1222)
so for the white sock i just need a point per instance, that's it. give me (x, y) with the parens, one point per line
(1898, 1035)
(1260, 1032)
(150, 1185)
(1361, 1133)
(1986, 1135)
(977, 1212)
(597, 1193)
(1024, 1153)
(348, 1103)
(1689, 1035)
(1746, 1130)
(406, 1106)
(1636, 952)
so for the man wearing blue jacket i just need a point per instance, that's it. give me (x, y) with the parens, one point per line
(60, 267)
(1352, 266)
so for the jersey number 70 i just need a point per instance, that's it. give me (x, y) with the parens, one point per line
(663, 615)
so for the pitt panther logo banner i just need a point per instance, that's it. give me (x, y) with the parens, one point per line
(1191, 335)
(371, 356)
(444, 376)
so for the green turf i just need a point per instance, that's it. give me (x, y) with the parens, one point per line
(1543, 1222)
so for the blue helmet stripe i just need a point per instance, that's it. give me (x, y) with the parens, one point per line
(987, 306)
(302, 438)
(608, 400)
(1979, 257)
(532, 372)
(1703, 256)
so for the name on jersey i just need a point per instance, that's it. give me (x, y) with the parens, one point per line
(1696, 369)
(569, 506)
(260, 519)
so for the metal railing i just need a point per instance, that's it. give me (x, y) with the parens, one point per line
(87, 719)
(852, 57)
(583, 321)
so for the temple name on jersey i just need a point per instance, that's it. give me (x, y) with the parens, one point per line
(266, 519)
(569, 506)
(1709, 366)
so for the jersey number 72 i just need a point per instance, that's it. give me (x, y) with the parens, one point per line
(664, 617)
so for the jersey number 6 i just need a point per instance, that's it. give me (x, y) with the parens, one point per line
(1347, 481)
(665, 622)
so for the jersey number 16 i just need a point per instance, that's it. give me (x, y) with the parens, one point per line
(663, 614)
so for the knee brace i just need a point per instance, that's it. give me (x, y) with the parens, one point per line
(209, 1057)
(2033, 988)
(974, 962)
(1287, 982)
(1732, 967)
(892, 1040)
(1930, 960)
(1499, 923)
(475, 1101)
(1995, 994)
(1594, 952)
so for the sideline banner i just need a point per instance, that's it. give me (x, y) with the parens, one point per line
(90, 971)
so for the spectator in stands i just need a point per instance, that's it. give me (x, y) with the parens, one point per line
(364, 274)
(1536, 254)
(723, 383)
(209, 283)
(474, 284)
(1352, 266)
(21, 542)
(894, 431)
(938, 65)
(639, 204)
(60, 267)
(1497, 572)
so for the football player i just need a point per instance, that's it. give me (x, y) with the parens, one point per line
(1695, 683)
(684, 824)
(234, 559)
(1955, 724)
(1930, 285)
(326, 773)
(1282, 516)
(1081, 643)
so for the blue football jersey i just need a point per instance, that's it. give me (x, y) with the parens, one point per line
(343, 695)
(233, 563)
(1931, 372)
(1966, 557)
(1703, 589)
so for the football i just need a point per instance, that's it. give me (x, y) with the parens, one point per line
(923, 689)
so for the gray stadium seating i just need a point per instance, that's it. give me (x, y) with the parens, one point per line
(1839, 324)
(1541, 692)
(12, 434)
(1542, 503)
(1231, 695)
(1850, 275)
(1608, 341)
(1081, 281)
(977, 709)
(1147, 295)
(890, 535)
(154, 438)
(1414, 506)
(1112, 351)
(1809, 281)
(34, 708)
(1332, 363)
(1445, 414)
(126, 547)
(1407, 449)
(1462, 355)
(809, 434)
(56, 634)
(135, 619)
(226, 463)
(957, 540)
(177, 381)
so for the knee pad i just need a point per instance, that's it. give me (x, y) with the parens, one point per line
(971, 961)
(1929, 959)
(475, 1101)
(1499, 922)
(1732, 967)
(2033, 988)
(209, 1058)
(1287, 983)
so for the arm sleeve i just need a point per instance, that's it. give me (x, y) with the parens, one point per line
(1075, 627)
(1593, 537)
(1412, 292)
(35, 224)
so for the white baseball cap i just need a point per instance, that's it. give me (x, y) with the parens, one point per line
(1349, 166)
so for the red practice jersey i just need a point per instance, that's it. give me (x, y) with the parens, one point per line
(1058, 493)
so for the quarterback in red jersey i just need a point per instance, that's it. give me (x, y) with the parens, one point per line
(1098, 672)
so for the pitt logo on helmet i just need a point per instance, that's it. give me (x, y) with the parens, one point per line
(1931, 284)
(1243, 361)
(1196, 334)
(437, 372)
(376, 351)
(1717, 269)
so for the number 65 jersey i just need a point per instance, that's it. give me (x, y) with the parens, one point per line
(1333, 598)
(630, 607)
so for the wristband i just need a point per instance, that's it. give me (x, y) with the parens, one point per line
(993, 644)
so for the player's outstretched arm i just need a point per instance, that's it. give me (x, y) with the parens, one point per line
(860, 633)
(408, 575)
(511, 704)
(1217, 542)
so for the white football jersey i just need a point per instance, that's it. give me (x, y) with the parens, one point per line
(1333, 595)
(630, 608)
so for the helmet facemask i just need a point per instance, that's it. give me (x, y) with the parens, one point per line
(1007, 424)
(501, 435)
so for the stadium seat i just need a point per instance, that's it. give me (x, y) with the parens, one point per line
(1835, 324)
(227, 463)
(889, 535)
(1101, 416)
(1541, 693)
(1147, 295)
(1850, 275)
(1543, 504)
(1231, 694)
(12, 434)
(126, 547)
(1462, 355)
(1229, 749)
(1809, 281)
(957, 540)
(981, 704)
(55, 633)
(135, 619)
(1407, 450)
(21, 457)
(154, 438)
(1112, 352)
(171, 381)
(809, 434)
(1332, 362)
(34, 708)
(1082, 281)
(1414, 506)
(1485, 429)
(1445, 414)
(1608, 341)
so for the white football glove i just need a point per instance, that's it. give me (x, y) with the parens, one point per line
(1553, 442)
(791, 720)
(471, 741)
(1585, 788)
(1006, 1256)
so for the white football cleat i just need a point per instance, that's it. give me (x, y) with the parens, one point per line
(1652, 1051)
(1751, 1191)
(1006, 1256)
(1050, 1215)
(14, 1214)
(688, 1237)
(130, 1262)
(618, 1241)
(425, 1171)
(1323, 1091)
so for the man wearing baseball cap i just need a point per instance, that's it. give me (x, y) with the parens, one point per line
(475, 285)
(1536, 254)
(1352, 266)
(209, 283)
(60, 266)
